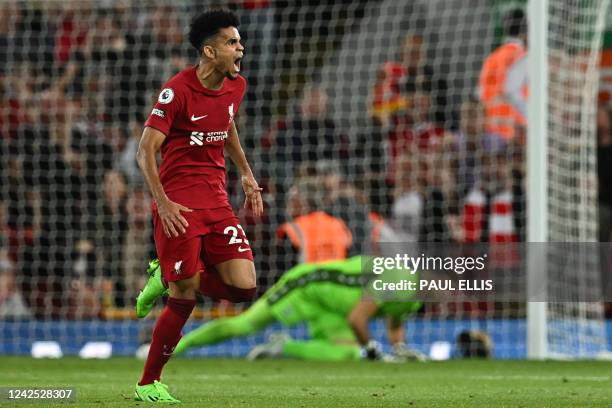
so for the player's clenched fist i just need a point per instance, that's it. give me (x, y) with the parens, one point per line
(253, 195)
(171, 217)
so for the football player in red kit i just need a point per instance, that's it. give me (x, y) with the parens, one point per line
(197, 235)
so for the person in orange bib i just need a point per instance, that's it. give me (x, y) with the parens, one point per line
(503, 80)
(312, 235)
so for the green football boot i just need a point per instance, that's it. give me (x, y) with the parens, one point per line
(152, 290)
(156, 392)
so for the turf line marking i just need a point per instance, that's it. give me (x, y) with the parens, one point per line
(277, 376)
(541, 377)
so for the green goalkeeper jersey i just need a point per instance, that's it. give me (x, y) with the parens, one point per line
(331, 287)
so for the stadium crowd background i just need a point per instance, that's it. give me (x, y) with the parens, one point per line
(77, 83)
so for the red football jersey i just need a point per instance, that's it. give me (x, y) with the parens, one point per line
(196, 122)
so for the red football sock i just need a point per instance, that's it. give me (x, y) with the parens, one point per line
(166, 335)
(212, 286)
(241, 295)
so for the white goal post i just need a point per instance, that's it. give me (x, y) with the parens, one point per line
(563, 70)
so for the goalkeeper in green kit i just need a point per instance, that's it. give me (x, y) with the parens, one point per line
(331, 297)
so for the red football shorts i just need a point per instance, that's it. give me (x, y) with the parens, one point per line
(213, 236)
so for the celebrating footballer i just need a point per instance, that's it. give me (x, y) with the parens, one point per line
(197, 235)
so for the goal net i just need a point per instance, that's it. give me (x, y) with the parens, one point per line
(379, 106)
(575, 329)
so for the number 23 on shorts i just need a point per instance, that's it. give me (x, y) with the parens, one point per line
(235, 238)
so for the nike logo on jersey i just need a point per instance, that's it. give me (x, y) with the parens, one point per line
(241, 249)
(195, 118)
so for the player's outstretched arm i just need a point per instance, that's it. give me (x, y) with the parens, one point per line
(249, 184)
(169, 212)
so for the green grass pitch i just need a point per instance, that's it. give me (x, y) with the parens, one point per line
(286, 383)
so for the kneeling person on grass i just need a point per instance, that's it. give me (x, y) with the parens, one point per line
(330, 297)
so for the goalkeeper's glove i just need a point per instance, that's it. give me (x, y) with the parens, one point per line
(372, 350)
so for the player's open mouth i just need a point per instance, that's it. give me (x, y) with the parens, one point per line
(237, 64)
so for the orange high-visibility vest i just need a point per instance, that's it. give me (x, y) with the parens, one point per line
(319, 237)
(501, 118)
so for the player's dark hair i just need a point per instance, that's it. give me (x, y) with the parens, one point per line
(515, 23)
(208, 24)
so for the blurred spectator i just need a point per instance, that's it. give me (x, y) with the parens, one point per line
(407, 208)
(4, 231)
(83, 291)
(312, 235)
(127, 158)
(138, 241)
(115, 135)
(110, 236)
(604, 170)
(397, 82)
(18, 88)
(467, 147)
(145, 46)
(166, 49)
(414, 143)
(105, 53)
(424, 209)
(35, 36)
(20, 211)
(503, 80)
(306, 137)
(414, 133)
(386, 97)
(448, 191)
(12, 303)
(343, 201)
(10, 19)
(72, 31)
(72, 50)
(488, 213)
(96, 158)
(462, 157)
